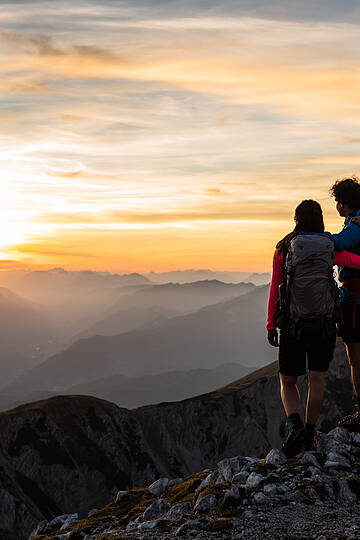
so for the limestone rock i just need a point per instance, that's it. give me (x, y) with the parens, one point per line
(333, 457)
(72, 518)
(241, 477)
(175, 481)
(120, 495)
(205, 504)
(210, 479)
(159, 487)
(229, 467)
(188, 526)
(149, 525)
(276, 458)
(179, 509)
(157, 508)
(270, 490)
(260, 498)
(309, 459)
(254, 479)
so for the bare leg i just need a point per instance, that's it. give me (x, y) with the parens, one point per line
(353, 352)
(290, 396)
(315, 398)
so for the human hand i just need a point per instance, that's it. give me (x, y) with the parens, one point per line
(356, 220)
(273, 337)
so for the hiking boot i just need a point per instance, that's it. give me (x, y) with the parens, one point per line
(294, 440)
(351, 422)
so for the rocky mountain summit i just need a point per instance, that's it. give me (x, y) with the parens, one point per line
(313, 496)
(71, 454)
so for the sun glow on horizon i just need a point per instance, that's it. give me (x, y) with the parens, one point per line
(182, 140)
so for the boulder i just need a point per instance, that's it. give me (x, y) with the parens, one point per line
(254, 479)
(159, 487)
(179, 509)
(207, 503)
(276, 458)
(157, 508)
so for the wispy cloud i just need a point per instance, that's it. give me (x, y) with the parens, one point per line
(133, 122)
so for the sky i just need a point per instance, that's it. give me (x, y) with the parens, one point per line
(162, 135)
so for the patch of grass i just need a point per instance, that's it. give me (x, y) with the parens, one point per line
(185, 491)
(129, 507)
(215, 489)
(221, 524)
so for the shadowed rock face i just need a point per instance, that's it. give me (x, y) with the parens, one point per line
(71, 454)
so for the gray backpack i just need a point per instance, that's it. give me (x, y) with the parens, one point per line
(311, 291)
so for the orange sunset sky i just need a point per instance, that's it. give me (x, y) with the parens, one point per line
(163, 135)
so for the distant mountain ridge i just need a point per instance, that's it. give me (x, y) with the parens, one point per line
(131, 392)
(149, 306)
(229, 331)
(183, 276)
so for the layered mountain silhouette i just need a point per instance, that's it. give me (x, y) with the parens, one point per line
(183, 276)
(73, 453)
(149, 306)
(227, 332)
(131, 392)
(73, 300)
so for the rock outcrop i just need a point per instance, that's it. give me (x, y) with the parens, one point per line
(72, 454)
(314, 496)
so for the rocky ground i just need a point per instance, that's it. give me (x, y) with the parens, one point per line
(315, 495)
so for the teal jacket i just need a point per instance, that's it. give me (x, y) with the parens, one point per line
(349, 239)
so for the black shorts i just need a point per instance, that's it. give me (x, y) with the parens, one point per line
(316, 344)
(349, 332)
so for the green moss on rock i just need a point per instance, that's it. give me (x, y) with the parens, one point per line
(185, 490)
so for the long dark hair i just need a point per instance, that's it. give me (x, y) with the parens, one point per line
(308, 218)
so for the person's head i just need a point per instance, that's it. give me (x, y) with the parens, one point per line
(309, 217)
(346, 193)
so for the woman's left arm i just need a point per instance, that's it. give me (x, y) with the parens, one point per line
(346, 258)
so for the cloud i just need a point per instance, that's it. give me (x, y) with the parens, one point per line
(72, 118)
(348, 138)
(276, 65)
(58, 174)
(38, 44)
(213, 191)
(346, 160)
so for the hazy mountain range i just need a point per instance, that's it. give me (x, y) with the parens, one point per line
(226, 332)
(131, 392)
(149, 306)
(184, 276)
(27, 334)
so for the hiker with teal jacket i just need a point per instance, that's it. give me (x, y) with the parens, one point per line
(303, 303)
(346, 193)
